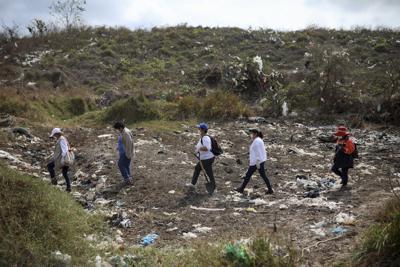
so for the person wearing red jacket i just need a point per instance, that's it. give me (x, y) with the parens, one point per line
(343, 159)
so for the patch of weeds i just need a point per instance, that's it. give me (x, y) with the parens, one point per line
(37, 219)
(381, 243)
(133, 109)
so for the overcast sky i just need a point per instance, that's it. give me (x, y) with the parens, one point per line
(276, 14)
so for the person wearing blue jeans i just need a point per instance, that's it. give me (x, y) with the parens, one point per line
(125, 149)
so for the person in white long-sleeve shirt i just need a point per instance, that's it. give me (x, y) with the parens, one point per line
(58, 159)
(258, 157)
(203, 149)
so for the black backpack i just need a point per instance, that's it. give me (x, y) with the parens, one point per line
(215, 147)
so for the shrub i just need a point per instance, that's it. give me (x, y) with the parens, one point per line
(77, 106)
(13, 105)
(381, 243)
(37, 219)
(222, 105)
(133, 109)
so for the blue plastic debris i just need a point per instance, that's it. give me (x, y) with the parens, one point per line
(149, 239)
(339, 230)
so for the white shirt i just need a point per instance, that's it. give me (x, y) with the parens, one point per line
(257, 152)
(204, 154)
(64, 146)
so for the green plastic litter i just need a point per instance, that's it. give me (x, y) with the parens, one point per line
(237, 253)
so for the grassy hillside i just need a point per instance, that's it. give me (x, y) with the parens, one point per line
(316, 71)
(36, 220)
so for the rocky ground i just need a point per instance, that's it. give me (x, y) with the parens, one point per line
(323, 228)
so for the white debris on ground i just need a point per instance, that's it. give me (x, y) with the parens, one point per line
(346, 219)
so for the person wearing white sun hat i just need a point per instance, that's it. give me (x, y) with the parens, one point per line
(58, 159)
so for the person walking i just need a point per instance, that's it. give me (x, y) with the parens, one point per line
(126, 151)
(59, 158)
(206, 157)
(258, 157)
(343, 159)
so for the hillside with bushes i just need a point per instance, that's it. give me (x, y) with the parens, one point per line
(314, 72)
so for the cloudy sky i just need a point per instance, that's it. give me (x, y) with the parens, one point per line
(280, 15)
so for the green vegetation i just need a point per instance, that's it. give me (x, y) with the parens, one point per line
(37, 219)
(315, 71)
(259, 252)
(132, 110)
(381, 243)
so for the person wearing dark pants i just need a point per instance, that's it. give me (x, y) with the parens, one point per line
(203, 149)
(258, 157)
(58, 160)
(207, 165)
(343, 174)
(64, 170)
(343, 159)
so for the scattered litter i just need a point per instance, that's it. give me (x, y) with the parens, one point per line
(251, 210)
(201, 229)
(103, 136)
(171, 229)
(189, 235)
(126, 223)
(317, 228)
(258, 202)
(339, 230)
(171, 192)
(300, 151)
(64, 258)
(311, 194)
(148, 239)
(237, 253)
(283, 207)
(206, 209)
(346, 219)
(169, 214)
(318, 231)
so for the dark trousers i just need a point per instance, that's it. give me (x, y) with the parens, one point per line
(261, 171)
(207, 165)
(124, 165)
(343, 173)
(51, 167)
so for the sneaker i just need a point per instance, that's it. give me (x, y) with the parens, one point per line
(53, 181)
(269, 192)
(190, 185)
(239, 190)
(68, 190)
(128, 182)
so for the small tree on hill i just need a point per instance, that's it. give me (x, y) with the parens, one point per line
(37, 28)
(68, 12)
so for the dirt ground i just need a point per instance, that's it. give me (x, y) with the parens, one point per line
(159, 202)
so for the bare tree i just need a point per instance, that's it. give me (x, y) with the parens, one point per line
(10, 32)
(37, 28)
(68, 12)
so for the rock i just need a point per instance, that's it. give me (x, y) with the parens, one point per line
(311, 194)
(228, 170)
(63, 259)
(90, 196)
(21, 131)
(6, 121)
